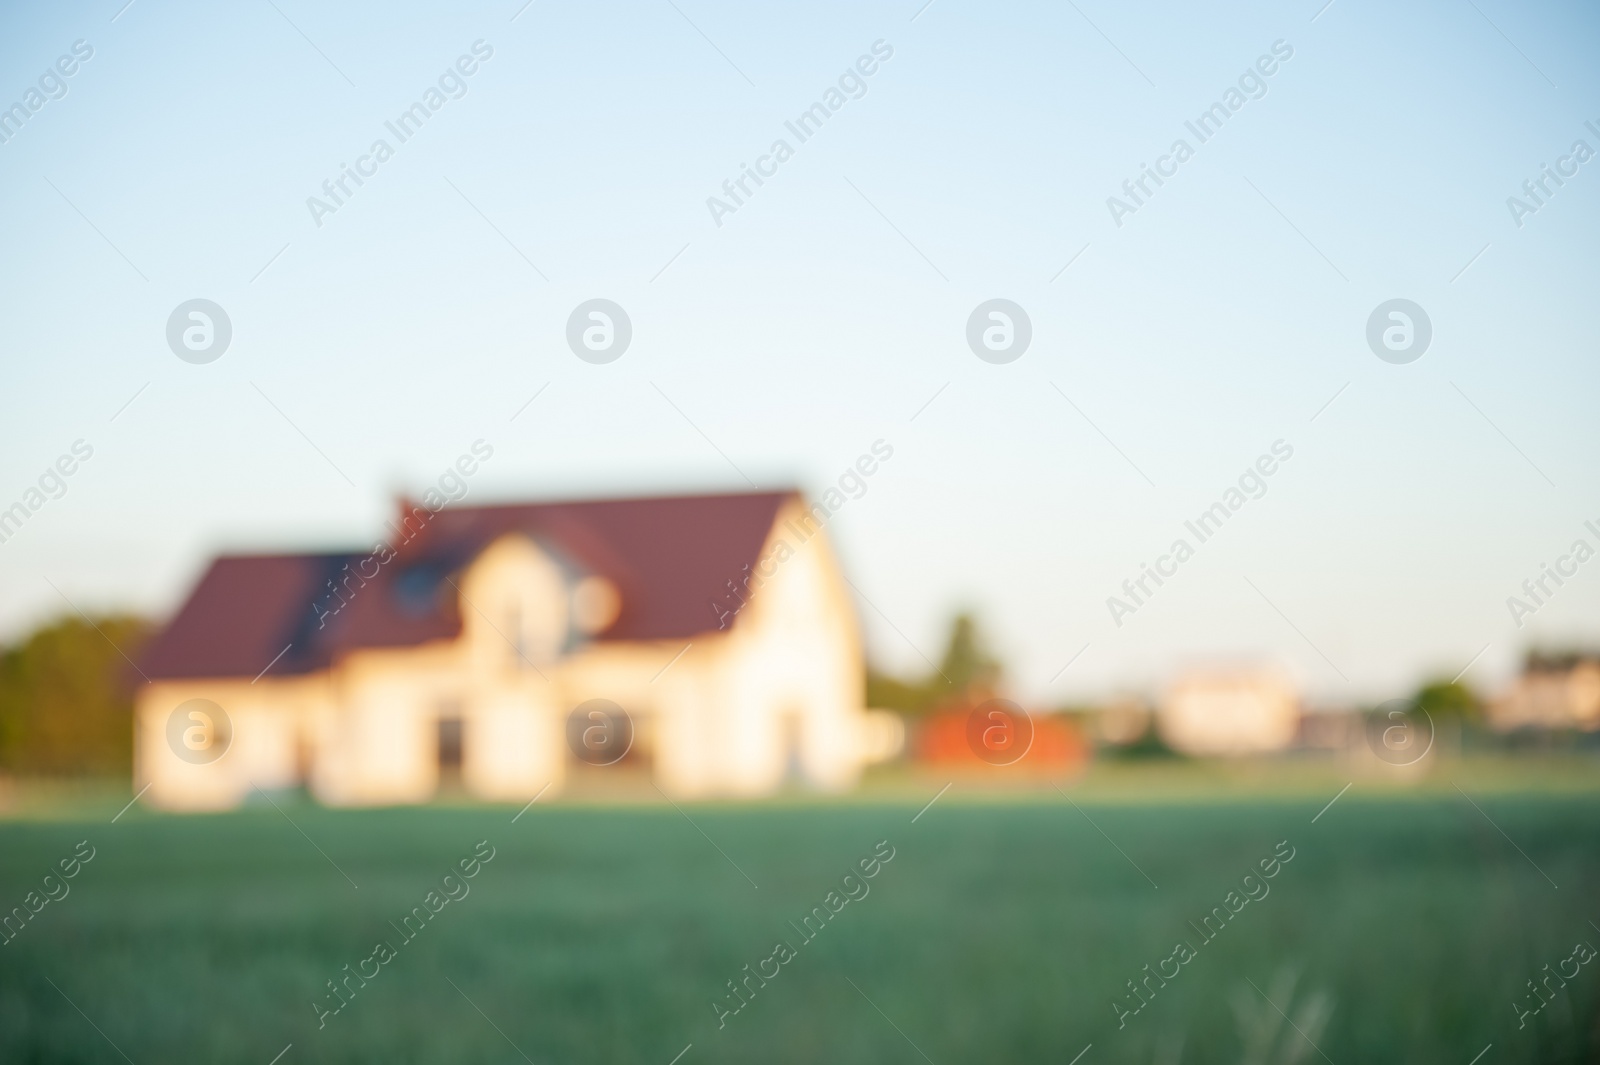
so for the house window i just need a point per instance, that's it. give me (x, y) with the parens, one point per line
(304, 757)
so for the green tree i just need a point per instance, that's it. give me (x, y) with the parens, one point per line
(1448, 701)
(66, 701)
(967, 667)
(967, 664)
(891, 693)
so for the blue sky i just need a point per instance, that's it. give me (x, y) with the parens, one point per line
(822, 315)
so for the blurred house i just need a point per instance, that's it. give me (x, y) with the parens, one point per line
(1553, 692)
(1335, 729)
(1232, 712)
(1051, 743)
(460, 650)
(1122, 721)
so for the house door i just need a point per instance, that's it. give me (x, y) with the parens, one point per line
(449, 748)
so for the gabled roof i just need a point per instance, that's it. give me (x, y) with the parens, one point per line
(670, 557)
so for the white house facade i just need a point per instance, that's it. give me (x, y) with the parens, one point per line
(473, 649)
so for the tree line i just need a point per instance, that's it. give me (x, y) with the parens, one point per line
(66, 697)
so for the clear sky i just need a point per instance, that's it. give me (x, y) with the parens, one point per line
(1220, 316)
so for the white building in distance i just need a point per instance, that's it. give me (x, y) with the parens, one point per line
(1223, 713)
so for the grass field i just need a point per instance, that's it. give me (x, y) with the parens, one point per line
(1001, 931)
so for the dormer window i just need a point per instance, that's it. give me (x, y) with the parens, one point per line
(595, 605)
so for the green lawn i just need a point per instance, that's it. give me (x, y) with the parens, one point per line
(1001, 931)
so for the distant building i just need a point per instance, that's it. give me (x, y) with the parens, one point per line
(1331, 730)
(1234, 712)
(1122, 721)
(1030, 743)
(460, 650)
(1553, 692)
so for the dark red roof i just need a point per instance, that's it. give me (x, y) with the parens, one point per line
(670, 557)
